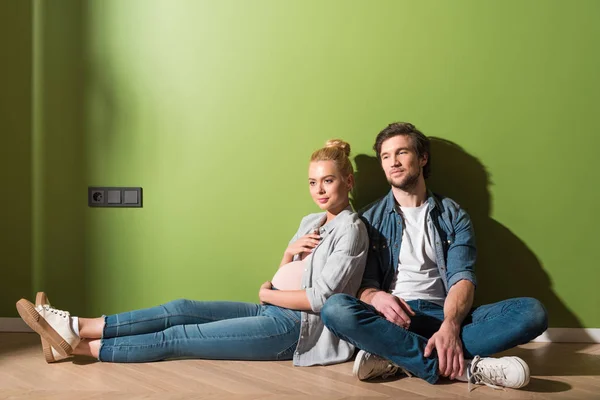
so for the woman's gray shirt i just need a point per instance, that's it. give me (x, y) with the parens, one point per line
(336, 266)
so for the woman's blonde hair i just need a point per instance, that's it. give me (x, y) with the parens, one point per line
(338, 151)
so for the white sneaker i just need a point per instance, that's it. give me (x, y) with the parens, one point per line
(51, 324)
(510, 372)
(50, 354)
(369, 366)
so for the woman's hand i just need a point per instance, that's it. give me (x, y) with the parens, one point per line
(262, 291)
(305, 244)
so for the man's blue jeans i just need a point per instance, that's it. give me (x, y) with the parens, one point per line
(217, 330)
(487, 330)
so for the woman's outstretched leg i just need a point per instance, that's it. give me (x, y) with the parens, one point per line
(159, 318)
(61, 334)
(271, 335)
(90, 348)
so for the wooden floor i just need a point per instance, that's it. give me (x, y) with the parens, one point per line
(560, 371)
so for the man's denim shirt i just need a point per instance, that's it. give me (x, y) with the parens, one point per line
(454, 241)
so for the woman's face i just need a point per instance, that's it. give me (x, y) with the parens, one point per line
(328, 188)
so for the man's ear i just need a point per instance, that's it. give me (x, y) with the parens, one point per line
(424, 159)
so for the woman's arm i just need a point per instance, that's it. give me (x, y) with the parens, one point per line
(305, 244)
(292, 299)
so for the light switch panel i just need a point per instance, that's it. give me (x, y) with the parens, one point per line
(131, 197)
(103, 196)
(114, 197)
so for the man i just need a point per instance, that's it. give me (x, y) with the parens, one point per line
(413, 311)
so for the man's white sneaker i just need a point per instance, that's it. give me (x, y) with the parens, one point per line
(369, 366)
(50, 354)
(510, 372)
(51, 324)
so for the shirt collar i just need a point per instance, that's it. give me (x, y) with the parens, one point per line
(328, 227)
(390, 200)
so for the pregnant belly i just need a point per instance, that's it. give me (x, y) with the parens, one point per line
(289, 276)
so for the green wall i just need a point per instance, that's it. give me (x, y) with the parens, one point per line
(15, 152)
(214, 108)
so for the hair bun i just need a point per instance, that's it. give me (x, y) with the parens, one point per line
(340, 144)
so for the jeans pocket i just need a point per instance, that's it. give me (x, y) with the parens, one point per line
(287, 354)
(429, 306)
(291, 314)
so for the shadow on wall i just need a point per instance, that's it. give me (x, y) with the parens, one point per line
(15, 153)
(60, 189)
(506, 267)
(371, 183)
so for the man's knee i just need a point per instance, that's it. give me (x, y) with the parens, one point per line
(535, 315)
(337, 311)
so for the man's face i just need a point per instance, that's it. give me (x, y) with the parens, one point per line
(400, 163)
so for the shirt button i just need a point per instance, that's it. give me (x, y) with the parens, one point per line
(305, 269)
(297, 353)
(301, 336)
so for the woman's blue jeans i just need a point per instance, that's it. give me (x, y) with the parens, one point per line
(487, 330)
(219, 330)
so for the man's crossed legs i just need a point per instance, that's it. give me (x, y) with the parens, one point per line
(486, 330)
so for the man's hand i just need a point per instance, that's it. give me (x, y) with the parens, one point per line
(393, 308)
(264, 287)
(449, 350)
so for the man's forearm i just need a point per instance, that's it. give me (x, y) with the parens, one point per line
(366, 295)
(458, 303)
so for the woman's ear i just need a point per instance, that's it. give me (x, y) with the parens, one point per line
(350, 182)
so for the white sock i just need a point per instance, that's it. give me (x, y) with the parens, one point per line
(75, 325)
(465, 377)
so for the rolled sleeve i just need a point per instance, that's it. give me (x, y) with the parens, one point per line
(344, 265)
(464, 275)
(462, 252)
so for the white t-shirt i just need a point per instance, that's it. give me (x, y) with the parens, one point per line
(418, 277)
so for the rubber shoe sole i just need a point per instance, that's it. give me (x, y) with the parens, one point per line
(35, 321)
(527, 373)
(40, 300)
(357, 364)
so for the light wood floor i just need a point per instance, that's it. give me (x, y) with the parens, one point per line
(560, 371)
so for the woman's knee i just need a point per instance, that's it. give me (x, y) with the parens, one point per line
(178, 306)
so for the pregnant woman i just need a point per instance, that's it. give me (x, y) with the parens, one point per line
(327, 255)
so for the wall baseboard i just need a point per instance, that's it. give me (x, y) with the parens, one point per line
(570, 335)
(554, 335)
(13, 325)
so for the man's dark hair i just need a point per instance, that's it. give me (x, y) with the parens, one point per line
(419, 141)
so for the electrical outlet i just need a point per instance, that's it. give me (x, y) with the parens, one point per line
(97, 197)
(101, 196)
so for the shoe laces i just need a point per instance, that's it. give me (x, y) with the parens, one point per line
(491, 375)
(389, 370)
(385, 368)
(60, 313)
